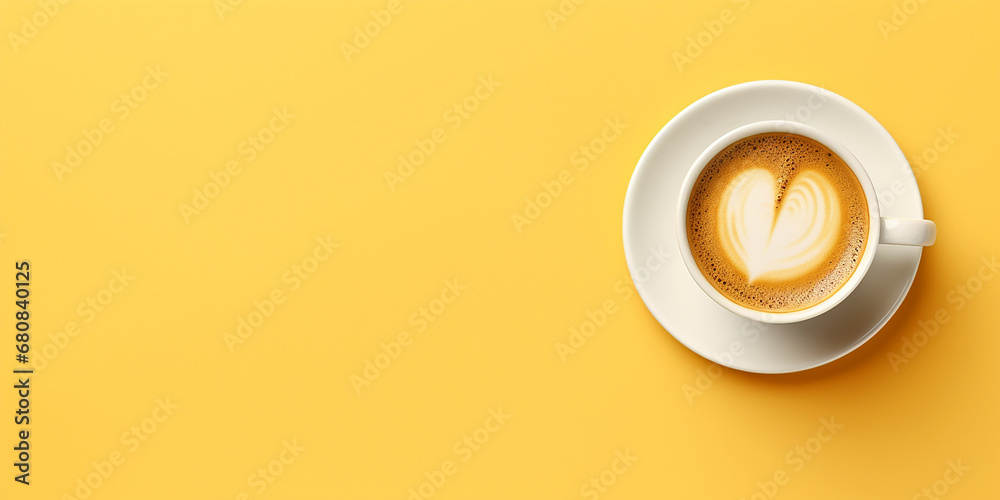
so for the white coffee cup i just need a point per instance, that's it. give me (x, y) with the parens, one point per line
(881, 230)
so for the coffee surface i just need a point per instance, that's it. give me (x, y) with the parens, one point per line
(777, 222)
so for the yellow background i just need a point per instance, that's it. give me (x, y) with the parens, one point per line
(495, 345)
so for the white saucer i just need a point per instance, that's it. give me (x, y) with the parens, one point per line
(674, 298)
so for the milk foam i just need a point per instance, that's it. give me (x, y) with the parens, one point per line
(782, 242)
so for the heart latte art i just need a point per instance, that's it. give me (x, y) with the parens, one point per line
(778, 243)
(777, 222)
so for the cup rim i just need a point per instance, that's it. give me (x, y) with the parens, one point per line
(784, 126)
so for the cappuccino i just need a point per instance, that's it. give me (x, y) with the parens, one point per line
(777, 222)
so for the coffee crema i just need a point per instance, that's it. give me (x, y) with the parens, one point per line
(777, 222)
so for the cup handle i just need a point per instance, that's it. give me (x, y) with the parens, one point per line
(913, 232)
